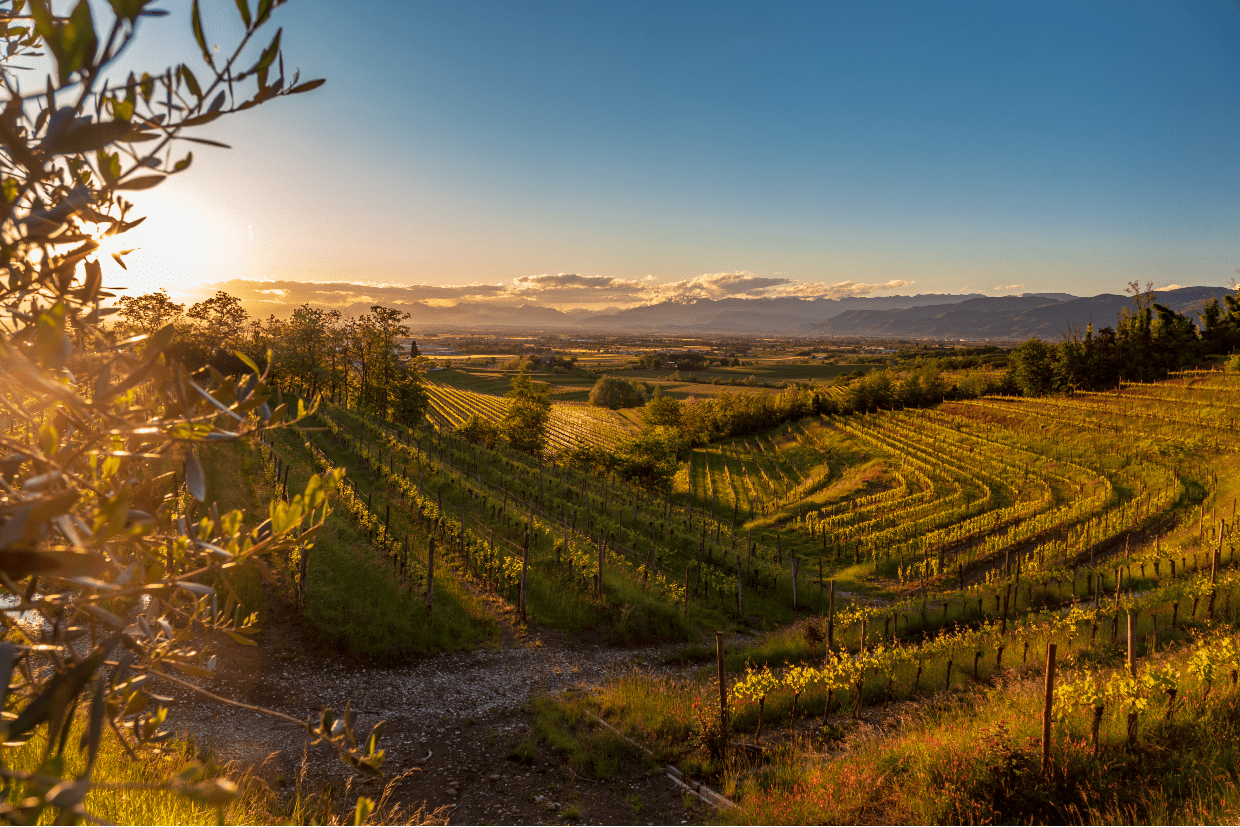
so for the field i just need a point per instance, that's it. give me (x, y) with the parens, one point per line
(888, 585)
(958, 541)
(968, 537)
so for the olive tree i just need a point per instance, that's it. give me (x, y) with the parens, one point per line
(109, 538)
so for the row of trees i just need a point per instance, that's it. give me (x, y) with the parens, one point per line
(1145, 344)
(369, 361)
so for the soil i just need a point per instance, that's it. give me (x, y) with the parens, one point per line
(451, 722)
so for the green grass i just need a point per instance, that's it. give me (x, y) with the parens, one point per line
(138, 792)
(975, 758)
(590, 750)
(565, 387)
(357, 605)
(235, 479)
(556, 598)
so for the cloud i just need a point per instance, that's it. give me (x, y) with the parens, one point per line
(840, 289)
(561, 290)
(747, 285)
(340, 294)
(1170, 287)
(1009, 287)
(571, 287)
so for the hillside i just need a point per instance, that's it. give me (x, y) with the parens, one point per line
(1006, 318)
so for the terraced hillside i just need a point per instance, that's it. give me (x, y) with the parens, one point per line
(970, 537)
(571, 423)
(922, 555)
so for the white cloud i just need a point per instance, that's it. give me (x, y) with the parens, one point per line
(1170, 287)
(548, 289)
(1009, 287)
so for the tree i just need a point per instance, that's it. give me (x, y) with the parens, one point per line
(1032, 368)
(104, 502)
(662, 411)
(611, 392)
(406, 395)
(214, 330)
(525, 422)
(650, 459)
(480, 431)
(145, 314)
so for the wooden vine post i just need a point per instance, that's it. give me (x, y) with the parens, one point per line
(795, 567)
(687, 568)
(831, 618)
(525, 559)
(599, 543)
(723, 691)
(1047, 707)
(740, 589)
(430, 573)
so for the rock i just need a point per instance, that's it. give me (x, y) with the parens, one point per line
(451, 791)
(493, 776)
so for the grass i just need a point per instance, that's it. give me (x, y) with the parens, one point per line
(968, 756)
(976, 758)
(235, 479)
(358, 606)
(564, 387)
(590, 750)
(137, 792)
(631, 610)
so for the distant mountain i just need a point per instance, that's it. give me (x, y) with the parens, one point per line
(752, 315)
(745, 316)
(926, 316)
(1008, 318)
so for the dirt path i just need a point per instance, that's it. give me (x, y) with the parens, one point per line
(452, 720)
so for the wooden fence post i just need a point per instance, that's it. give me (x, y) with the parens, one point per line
(795, 566)
(1048, 706)
(687, 568)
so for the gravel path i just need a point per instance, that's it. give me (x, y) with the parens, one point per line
(464, 710)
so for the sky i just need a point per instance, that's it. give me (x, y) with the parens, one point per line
(612, 154)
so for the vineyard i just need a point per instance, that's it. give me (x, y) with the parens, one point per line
(896, 556)
(571, 423)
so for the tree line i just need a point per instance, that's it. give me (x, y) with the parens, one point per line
(369, 361)
(1145, 344)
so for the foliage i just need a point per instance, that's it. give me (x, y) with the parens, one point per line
(612, 392)
(662, 412)
(525, 421)
(1145, 344)
(106, 537)
(480, 431)
(650, 458)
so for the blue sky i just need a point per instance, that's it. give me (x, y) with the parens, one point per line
(654, 148)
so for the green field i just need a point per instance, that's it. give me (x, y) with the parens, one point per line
(965, 539)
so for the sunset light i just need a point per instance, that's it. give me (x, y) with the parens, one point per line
(738, 413)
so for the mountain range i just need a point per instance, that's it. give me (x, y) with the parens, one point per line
(972, 316)
(1007, 318)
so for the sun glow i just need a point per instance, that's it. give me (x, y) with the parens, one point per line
(180, 247)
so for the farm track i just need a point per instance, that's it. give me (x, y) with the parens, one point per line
(464, 710)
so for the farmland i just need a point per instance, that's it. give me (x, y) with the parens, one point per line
(920, 556)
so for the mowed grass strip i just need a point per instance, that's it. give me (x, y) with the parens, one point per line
(356, 603)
